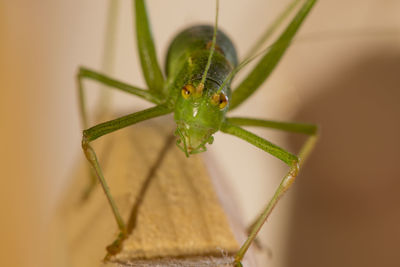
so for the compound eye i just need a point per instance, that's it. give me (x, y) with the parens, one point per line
(187, 90)
(219, 99)
(223, 101)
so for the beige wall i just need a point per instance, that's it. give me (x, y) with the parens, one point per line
(343, 68)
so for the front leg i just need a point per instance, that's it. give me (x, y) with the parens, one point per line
(291, 160)
(99, 130)
(85, 73)
(292, 127)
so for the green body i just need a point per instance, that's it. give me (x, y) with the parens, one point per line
(201, 62)
(193, 40)
(197, 117)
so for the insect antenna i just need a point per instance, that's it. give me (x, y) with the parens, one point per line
(200, 87)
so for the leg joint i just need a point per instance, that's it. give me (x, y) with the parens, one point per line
(295, 167)
(81, 71)
(85, 141)
(84, 72)
(87, 149)
(291, 175)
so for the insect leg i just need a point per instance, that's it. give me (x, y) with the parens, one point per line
(85, 73)
(293, 127)
(291, 160)
(148, 57)
(101, 129)
(269, 61)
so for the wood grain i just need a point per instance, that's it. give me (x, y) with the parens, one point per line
(168, 201)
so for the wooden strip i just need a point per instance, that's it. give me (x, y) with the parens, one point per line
(174, 215)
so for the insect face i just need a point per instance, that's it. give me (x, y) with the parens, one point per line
(199, 113)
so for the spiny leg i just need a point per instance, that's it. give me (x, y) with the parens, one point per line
(148, 57)
(85, 73)
(101, 129)
(269, 61)
(294, 162)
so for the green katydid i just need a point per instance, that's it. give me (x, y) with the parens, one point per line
(201, 63)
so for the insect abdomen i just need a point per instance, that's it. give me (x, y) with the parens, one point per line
(194, 39)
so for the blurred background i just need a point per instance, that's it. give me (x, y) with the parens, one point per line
(343, 73)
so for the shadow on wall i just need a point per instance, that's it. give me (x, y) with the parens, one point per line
(347, 205)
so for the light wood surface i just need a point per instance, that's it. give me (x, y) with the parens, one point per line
(168, 201)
